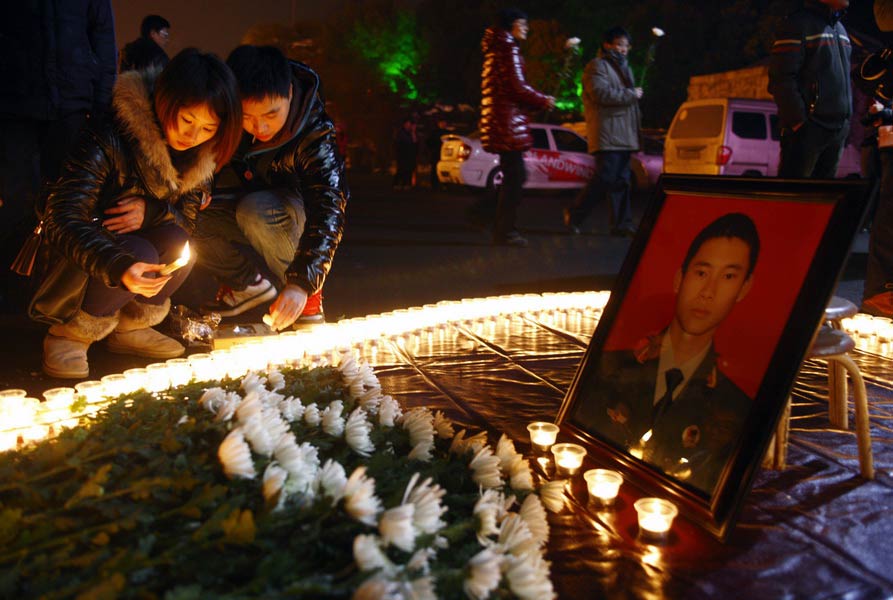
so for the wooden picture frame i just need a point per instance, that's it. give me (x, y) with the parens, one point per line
(732, 323)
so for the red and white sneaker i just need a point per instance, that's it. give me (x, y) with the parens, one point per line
(313, 313)
(230, 302)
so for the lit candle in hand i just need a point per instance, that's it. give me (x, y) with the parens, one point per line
(177, 264)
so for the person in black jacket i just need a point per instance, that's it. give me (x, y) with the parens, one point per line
(809, 77)
(127, 196)
(148, 49)
(283, 195)
(57, 68)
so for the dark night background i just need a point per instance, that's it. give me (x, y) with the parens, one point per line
(380, 59)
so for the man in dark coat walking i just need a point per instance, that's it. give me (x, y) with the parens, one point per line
(148, 49)
(505, 95)
(57, 65)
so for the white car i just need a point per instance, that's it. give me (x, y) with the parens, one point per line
(558, 160)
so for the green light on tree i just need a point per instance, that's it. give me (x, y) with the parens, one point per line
(396, 51)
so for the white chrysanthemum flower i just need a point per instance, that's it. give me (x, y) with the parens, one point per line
(274, 481)
(276, 380)
(348, 366)
(370, 380)
(253, 382)
(457, 446)
(291, 409)
(484, 574)
(270, 399)
(488, 510)
(422, 589)
(419, 422)
(235, 455)
(370, 400)
(378, 588)
(356, 389)
(460, 445)
(368, 555)
(528, 577)
(257, 435)
(359, 497)
(212, 399)
(440, 542)
(552, 495)
(515, 535)
(419, 562)
(250, 406)
(505, 450)
(274, 423)
(534, 514)
(301, 462)
(388, 412)
(443, 426)
(331, 480)
(395, 527)
(332, 422)
(311, 414)
(223, 404)
(427, 498)
(356, 433)
(485, 467)
(520, 477)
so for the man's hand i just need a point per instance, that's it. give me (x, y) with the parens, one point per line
(639, 92)
(135, 280)
(551, 101)
(287, 307)
(130, 214)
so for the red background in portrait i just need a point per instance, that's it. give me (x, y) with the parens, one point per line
(789, 235)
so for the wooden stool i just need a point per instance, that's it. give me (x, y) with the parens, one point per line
(832, 345)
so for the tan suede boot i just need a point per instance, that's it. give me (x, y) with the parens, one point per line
(65, 346)
(134, 334)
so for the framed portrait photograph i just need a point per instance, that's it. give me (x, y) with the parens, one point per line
(708, 322)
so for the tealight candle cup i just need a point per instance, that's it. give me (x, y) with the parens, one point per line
(655, 517)
(603, 485)
(568, 458)
(92, 391)
(542, 435)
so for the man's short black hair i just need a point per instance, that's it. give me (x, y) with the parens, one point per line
(614, 33)
(262, 72)
(731, 225)
(507, 16)
(153, 23)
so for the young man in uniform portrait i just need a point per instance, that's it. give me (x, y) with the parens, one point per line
(667, 399)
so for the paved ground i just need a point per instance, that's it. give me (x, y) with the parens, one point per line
(407, 249)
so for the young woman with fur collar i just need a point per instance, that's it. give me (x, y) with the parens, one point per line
(124, 206)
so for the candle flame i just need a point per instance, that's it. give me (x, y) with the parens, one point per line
(185, 256)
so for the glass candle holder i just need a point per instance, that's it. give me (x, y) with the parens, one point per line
(12, 393)
(114, 385)
(202, 366)
(179, 371)
(568, 458)
(603, 485)
(655, 517)
(157, 378)
(542, 435)
(137, 378)
(92, 391)
(59, 399)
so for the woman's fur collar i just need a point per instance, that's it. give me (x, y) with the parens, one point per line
(132, 101)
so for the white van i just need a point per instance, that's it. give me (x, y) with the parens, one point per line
(733, 136)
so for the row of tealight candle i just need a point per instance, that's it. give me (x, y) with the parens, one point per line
(24, 419)
(655, 515)
(871, 334)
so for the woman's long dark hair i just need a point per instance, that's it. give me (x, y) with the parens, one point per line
(193, 77)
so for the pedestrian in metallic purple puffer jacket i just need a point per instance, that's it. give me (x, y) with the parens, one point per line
(505, 95)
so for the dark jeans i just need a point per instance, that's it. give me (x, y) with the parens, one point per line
(509, 195)
(268, 223)
(811, 152)
(879, 272)
(159, 245)
(611, 181)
